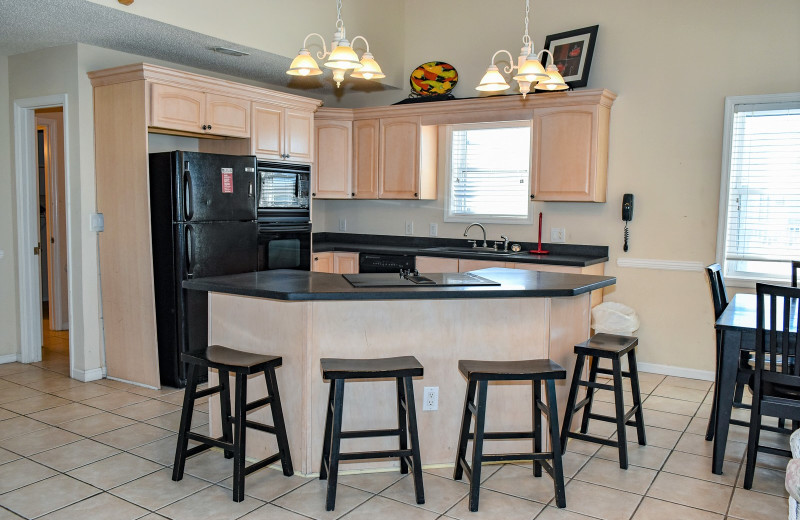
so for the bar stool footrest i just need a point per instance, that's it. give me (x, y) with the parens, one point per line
(361, 455)
(505, 457)
(359, 434)
(592, 438)
(504, 435)
(209, 441)
(599, 386)
(258, 403)
(609, 372)
(208, 391)
(262, 463)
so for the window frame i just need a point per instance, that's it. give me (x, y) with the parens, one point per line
(740, 278)
(448, 155)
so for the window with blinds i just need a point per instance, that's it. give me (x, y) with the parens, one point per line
(763, 206)
(489, 172)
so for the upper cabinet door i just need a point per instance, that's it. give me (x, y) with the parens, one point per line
(365, 158)
(267, 131)
(570, 153)
(177, 108)
(298, 136)
(398, 172)
(334, 154)
(227, 115)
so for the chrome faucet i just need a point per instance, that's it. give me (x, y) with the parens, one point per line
(482, 229)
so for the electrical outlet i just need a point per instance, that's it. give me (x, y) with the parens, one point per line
(342, 224)
(434, 229)
(430, 398)
(558, 235)
(409, 227)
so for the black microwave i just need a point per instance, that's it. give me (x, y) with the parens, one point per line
(283, 192)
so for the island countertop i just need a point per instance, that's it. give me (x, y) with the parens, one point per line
(290, 285)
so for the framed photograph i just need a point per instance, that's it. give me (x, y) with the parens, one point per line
(572, 54)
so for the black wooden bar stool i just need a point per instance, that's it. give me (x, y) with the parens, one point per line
(339, 370)
(478, 374)
(613, 347)
(242, 364)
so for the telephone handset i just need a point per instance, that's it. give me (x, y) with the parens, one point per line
(627, 216)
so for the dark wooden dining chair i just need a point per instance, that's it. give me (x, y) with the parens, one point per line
(776, 380)
(719, 299)
(795, 268)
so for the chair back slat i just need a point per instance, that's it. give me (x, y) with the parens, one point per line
(719, 296)
(776, 335)
(795, 268)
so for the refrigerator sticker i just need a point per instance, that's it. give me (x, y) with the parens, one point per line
(227, 180)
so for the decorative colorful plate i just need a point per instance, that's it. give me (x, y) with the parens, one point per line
(433, 78)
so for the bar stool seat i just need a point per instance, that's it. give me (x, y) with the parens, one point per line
(613, 347)
(227, 360)
(478, 374)
(402, 369)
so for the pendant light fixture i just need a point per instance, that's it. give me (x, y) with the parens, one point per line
(529, 69)
(341, 57)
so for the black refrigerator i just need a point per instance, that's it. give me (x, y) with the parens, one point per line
(203, 222)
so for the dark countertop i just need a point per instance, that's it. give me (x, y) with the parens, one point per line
(560, 254)
(292, 285)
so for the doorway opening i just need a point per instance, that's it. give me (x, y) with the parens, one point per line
(52, 239)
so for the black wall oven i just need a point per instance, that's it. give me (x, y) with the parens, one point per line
(284, 246)
(284, 218)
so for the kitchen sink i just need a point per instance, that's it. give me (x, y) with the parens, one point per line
(468, 250)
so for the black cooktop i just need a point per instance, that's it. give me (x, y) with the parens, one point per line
(423, 280)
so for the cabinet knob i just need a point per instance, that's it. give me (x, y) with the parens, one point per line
(352, 194)
(532, 197)
(209, 127)
(313, 194)
(204, 127)
(416, 195)
(316, 258)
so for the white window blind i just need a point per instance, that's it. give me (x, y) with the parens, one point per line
(489, 172)
(763, 224)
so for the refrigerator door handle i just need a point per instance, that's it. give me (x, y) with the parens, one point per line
(251, 189)
(188, 239)
(188, 203)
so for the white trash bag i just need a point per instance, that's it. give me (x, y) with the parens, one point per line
(614, 318)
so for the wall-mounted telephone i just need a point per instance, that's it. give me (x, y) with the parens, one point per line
(627, 216)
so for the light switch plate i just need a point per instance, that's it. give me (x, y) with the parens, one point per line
(558, 235)
(434, 229)
(342, 224)
(409, 227)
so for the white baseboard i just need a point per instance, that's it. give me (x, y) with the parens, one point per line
(131, 382)
(87, 375)
(669, 370)
(9, 358)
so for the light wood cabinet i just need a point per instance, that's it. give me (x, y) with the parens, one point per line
(407, 159)
(570, 153)
(282, 134)
(366, 135)
(332, 179)
(339, 262)
(322, 262)
(345, 263)
(187, 110)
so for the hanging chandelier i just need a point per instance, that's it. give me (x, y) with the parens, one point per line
(341, 57)
(529, 69)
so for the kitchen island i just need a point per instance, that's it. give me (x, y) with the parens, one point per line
(305, 316)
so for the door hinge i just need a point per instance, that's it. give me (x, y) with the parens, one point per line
(37, 248)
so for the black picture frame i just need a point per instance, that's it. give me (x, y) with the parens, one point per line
(572, 54)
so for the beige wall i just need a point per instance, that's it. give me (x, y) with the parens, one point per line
(278, 26)
(666, 136)
(9, 326)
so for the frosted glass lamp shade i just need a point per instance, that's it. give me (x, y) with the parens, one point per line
(343, 57)
(531, 71)
(492, 81)
(369, 68)
(304, 65)
(338, 76)
(554, 82)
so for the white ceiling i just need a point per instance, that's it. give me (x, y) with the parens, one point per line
(28, 25)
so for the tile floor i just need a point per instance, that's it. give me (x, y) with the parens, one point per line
(104, 449)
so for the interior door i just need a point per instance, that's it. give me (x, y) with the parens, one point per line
(216, 187)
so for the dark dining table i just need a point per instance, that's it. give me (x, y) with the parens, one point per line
(737, 323)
